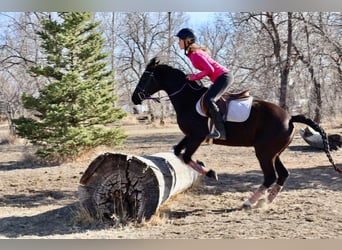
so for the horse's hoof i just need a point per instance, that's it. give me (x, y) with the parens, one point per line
(212, 174)
(276, 188)
(247, 204)
(175, 151)
(200, 163)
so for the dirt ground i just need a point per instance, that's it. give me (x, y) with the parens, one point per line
(38, 201)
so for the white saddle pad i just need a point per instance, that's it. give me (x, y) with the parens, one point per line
(238, 110)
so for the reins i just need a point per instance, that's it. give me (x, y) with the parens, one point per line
(158, 99)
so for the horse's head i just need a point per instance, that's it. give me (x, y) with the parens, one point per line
(147, 85)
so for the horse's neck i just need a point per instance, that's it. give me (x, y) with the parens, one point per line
(186, 99)
(182, 95)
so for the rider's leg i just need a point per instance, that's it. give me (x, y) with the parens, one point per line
(219, 129)
(214, 93)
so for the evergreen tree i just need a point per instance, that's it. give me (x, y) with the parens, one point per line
(76, 103)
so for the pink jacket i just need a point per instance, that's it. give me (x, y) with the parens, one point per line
(208, 67)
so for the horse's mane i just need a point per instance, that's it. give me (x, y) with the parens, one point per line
(156, 62)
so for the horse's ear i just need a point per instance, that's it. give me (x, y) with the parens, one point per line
(153, 62)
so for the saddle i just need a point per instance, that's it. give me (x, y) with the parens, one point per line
(232, 106)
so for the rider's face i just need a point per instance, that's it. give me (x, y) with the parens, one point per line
(181, 43)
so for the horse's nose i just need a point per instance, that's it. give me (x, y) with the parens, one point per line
(136, 99)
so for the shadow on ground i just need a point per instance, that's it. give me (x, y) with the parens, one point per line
(166, 140)
(57, 221)
(320, 177)
(316, 178)
(35, 198)
(24, 164)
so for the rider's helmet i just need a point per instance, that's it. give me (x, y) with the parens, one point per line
(187, 34)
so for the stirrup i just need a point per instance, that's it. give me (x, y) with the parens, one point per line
(215, 135)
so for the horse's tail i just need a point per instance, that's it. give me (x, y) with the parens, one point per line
(316, 127)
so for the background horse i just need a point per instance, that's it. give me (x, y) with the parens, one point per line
(269, 128)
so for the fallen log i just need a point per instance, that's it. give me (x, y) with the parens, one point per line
(125, 187)
(314, 139)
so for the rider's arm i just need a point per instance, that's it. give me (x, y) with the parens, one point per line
(200, 62)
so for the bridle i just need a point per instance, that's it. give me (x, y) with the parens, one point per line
(151, 78)
(142, 94)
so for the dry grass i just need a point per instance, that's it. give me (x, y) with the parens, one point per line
(334, 123)
(83, 217)
(7, 138)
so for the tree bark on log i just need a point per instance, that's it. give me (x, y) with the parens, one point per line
(124, 187)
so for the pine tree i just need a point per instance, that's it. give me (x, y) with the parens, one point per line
(77, 101)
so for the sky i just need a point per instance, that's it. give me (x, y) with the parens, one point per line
(196, 19)
(199, 18)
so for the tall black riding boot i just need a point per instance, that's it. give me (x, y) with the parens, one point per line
(219, 129)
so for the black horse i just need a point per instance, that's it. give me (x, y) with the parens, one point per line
(269, 128)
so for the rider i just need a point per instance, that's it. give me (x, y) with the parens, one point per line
(220, 76)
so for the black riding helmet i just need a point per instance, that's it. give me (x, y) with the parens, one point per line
(187, 33)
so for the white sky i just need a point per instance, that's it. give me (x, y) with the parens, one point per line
(199, 18)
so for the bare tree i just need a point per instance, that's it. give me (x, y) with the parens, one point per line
(258, 53)
(141, 37)
(19, 50)
(271, 24)
(320, 53)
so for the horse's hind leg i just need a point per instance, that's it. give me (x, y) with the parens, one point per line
(283, 174)
(267, 163)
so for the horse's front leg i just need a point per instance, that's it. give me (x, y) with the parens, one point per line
(191, 146)
(177, 150)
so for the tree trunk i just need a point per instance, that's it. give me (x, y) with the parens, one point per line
(5, 109)
(285, 68)
(318, 96)
(123, 187)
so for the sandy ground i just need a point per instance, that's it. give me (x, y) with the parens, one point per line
(38, 201)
